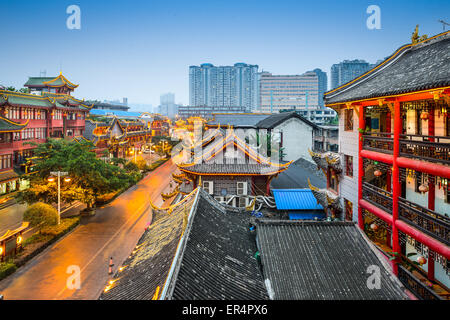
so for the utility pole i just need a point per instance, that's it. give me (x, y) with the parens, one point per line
(444, 24)
(59, 174)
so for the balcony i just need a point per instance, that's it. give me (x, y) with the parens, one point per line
(427, 221)
(413, 284)
(378, 197)
(379, 141)
(429, 148)
(75, 123)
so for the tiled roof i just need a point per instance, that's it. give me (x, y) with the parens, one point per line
(230, 168)
(149, 264)
(233, 162)
(295, 199)
(322, 261)
(58, 81)
(8, 175)
(278, 118)
(7, 125)
(218, 258)
(411, 68)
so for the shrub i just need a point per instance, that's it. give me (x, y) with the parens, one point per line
(65, 225)
(41, 215)
(7, 268)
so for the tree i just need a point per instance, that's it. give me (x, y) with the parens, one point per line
(41, 215)
(90, 176)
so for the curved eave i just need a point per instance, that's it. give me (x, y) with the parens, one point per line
(384, 63)
(399, 93)
(19, 126)
(232, 174)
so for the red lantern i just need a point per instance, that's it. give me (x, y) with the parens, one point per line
(423, 188)
(424, 115)
(421, 260)
(377, 173)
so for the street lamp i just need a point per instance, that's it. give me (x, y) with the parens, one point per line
(59, 174)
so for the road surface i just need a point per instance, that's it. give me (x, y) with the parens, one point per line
(112, 232)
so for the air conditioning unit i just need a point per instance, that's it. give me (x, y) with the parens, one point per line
(241, 188)
(243, 202)
(208, 186)
(220, 199)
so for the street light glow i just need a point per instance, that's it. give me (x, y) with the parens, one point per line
(51, 179)
(67, 179)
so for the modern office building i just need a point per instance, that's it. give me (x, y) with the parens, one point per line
(348, 70)
(298, 93)
(167, 105)
(224, 86)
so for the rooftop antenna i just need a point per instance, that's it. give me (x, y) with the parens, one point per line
(444, 24)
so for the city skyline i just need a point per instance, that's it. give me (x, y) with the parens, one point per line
(143, 57)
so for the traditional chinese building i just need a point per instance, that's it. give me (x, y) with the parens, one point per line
(391, 174)
(50, 112)
(229, 169)
(119, 138)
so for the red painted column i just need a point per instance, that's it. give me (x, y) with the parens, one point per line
(396, 182)
(362, 126)
(431, 195)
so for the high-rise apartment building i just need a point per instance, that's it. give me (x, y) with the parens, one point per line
(323, 84)
(348, 70)
(224, 85)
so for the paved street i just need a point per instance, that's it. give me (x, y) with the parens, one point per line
(113, 231)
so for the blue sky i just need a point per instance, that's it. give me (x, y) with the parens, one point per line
(141, 49)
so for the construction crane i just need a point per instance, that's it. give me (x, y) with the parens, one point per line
(444, 24)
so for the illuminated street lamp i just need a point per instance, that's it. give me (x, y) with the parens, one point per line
(59, 174)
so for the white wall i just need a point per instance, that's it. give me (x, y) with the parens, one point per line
(348, 145)
(297, 139)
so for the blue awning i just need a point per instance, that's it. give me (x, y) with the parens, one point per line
(118, 113)
(295, 199)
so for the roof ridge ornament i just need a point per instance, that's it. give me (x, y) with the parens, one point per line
(415, 36)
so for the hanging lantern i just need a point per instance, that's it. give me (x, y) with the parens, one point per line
(424, 115)
(377, 173)
(421, 260)
(423, 188)
(374, 226)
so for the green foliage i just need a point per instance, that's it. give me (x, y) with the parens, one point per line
(7, 268)
(41, 215)
(56, 230)
(131, 167)
(90, 176)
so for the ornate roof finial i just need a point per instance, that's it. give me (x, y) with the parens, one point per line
(415, 36)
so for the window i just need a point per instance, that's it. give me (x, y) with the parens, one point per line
(348, 119)
(349, 166)
(332, 180)
(348, 210)
(418, 123)
(5, 161)
(418, 181)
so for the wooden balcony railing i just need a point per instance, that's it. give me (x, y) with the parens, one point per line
(414, 285)
(379, 141)
(430, 148)
(427, 221)
(378, 197)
